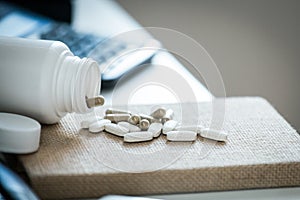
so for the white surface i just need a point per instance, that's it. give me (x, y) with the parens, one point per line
(18, 134)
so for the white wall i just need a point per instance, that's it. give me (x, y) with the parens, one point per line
(255, 43)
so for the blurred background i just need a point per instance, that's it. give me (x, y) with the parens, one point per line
(255, 43)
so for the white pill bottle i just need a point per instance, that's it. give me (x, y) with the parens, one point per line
(44, 80)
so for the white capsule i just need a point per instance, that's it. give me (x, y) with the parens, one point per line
(214, 134)
(98, 126)
(169, 126)
(138, 136)
(158, 112)
(144, 124)
(116, 129)
(134, 119)
(155, 128)
(115, 118)
(182, 136)
(168, 116)
(86, 123)
(130, 127)
(195, 128)
(116, 111)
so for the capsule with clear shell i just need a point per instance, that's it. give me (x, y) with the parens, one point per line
(115, 118)
(144, 124)
(116, 111)
(134, 119)
(95, 101)
(147, 117)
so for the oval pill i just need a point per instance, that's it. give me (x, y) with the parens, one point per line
(214, 134)
(98, 126)
(116, 111)
(158, 112)
(195, 128)
(182, 136)
(144, 124)
(115, 129)
(86, 123)
(130, 127)
(155, 129)
(138, 136)
(169, 126)
(117, 117)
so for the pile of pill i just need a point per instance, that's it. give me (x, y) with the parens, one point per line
(139, 127)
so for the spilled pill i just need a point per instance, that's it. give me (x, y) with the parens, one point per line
(182, 136)
(147, 117)
(134, 119)
(195, 128)
(138, 136)
(98, 126)
(115, 129)
(214, 134)
(155, 129)
(117, 117)
(169, 126)
(130, 127)
(95, 101)
(116, 111)
(158, 112)
(86, 123)
(144, 124)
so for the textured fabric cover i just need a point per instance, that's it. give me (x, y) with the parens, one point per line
(262, 151)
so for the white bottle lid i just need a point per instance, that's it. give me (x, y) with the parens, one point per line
(18, 134)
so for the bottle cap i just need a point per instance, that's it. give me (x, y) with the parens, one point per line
(18, 134)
